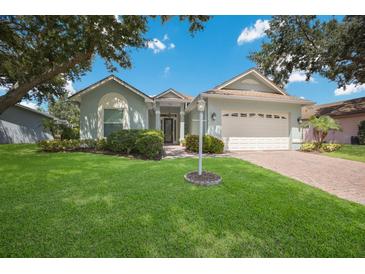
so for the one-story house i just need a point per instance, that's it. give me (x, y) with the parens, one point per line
(21, 124)
(248, 112)
(348, 113)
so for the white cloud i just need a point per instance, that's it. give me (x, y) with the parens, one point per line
(29, 104)
(156, 45)
(252, 33)
(166, 71)
(299, 76)
(69, 87)
(351, 88)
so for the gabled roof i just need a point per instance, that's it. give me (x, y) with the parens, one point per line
(255, 95)
(36, 111)
(257, 74)
(176, 93)
(111, 78)
(341, 108)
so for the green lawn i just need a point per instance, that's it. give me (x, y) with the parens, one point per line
(88, 205)
(350, 152)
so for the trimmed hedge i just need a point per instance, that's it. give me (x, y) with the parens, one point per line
(72, 145)
(141, 142)
(211, 144)
(150, 145)
(145, 143)
(123, 141)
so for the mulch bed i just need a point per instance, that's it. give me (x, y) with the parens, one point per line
(206, 179)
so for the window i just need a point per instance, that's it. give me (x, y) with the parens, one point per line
(243, 114)
(261, 115)
(268, 116)
(225, 115)
(283, 117)
(276, 116)
(234, 114)
(252, 114)
(113, 121)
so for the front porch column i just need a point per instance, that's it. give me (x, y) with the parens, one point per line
(182, 122)
(157, 114)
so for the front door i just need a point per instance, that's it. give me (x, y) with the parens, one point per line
(168, 130)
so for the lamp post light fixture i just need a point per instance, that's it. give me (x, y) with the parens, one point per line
(200, 178)
(201, 107)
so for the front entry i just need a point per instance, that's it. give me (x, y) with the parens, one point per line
(168, 130)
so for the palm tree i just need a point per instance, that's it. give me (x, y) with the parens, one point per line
(321, 126)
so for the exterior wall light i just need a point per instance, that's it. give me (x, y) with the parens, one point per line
(214, 116)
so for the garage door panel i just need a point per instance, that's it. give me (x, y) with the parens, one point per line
(255, 143)
(260, 132)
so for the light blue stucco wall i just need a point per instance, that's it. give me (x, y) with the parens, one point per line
(137, 108)
(218, 105)
(19, 125)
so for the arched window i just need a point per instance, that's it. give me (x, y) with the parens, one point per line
(112, 114)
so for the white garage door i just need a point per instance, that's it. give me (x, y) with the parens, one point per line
(255, 130)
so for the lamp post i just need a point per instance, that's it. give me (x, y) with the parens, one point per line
(201, 107)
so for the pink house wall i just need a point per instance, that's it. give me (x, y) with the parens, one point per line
(349, 128)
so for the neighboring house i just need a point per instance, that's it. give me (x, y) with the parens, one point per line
(348, 113)
(247, 112)
(20, 124)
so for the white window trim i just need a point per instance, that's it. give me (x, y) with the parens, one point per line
(112, 100)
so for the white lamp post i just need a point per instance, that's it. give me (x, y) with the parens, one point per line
(201, 107)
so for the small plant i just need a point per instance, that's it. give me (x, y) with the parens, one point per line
(361, 132)
(321, 127)
(330, 147)
(308, 147)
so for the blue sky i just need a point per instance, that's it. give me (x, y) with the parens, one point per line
(195, 64)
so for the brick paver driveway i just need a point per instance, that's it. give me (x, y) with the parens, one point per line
(343, 178)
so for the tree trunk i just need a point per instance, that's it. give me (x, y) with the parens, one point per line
(19, 90)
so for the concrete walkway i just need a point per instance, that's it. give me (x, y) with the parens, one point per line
(343, 178)
(176, 151)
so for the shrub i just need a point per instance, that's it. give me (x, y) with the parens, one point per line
(216, 145)
(211, 144)
(147, 143)
(88, 143)
(361, 133)
(330, 147)
(150, 145)
(192, 142)
(308, 147)
(101, 144)
(123, 141)
(59, 145)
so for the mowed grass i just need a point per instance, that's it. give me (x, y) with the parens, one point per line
(350, 152)
(89, 205)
